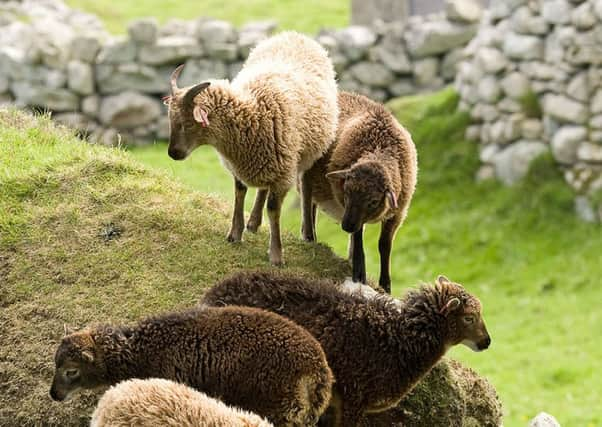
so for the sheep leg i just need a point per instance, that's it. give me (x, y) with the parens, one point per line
(385, 242)
(358, 260)
(308, 232)
(238, 217)
(275, 200)
(257, 211)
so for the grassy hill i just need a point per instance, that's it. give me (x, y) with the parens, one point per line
(534, 265)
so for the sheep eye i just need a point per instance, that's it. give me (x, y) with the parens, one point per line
(71, 373)
(468, 319)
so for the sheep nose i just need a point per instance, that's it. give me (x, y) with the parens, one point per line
(176, 154)
(348, 226)
(485, 343)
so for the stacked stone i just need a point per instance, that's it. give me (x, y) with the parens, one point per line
(534, 85)
(395, 59)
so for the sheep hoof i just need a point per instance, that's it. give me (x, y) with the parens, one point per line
(233, 239)
(252, 227)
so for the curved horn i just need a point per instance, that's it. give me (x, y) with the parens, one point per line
(174, 78)
(194, 91)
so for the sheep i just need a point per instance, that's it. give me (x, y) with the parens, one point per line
(269, 125)
(377, 349)
(249, 358)
(158, 402)
(368, 175)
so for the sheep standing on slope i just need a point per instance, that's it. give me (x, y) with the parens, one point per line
(377, 349)
(162, 403)
(249, 358)
(368, 175)
(269, 125)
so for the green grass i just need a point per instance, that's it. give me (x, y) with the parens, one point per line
(534, 265)
(302, 15)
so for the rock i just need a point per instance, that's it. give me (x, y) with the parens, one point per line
(515, 85)
(565, 109)
(505, 131)
(532, 129)
(54, 79)
(356, 41)
(80, 77)
(463, 10)
(583, 16)
(492, 60)
(248, 40)
(234, 68)
(486, 112)
(585, 211)
(486, 133)
(489, 90)
(589, 152)
(596, 102)
(4, 83)
(565, 142)
(596, 122)
(348, 83)
(215, 31)
(372, 74)
(133, 76)
(512, 164)
(42, 96)
(449, 65)
(128, 110)
(556, 11)
(436, 37)
(523, 47)
(542, 71)
(596, 136)
(508, 105)
(426, 71)
(578, 87)
(222, 51)
(163, 127)
(170, 50)
(76, 121)
(473, 133)
(485, 173)
(598, 8)
(197, 71)
(402, 87)
(395, 60)
(91, 105)
(368, 12)
(544, 420)
(178, 27)
(266, 27)
(524, 22)
(85, 48)
(488, 152)
(144, 31)
(117, 51)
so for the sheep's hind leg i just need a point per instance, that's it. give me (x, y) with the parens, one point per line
(385, 242)
(257, 211)
(275, 200)
(238, 216)
(308, 232)
(358, 259)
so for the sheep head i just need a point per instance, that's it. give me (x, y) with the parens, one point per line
(187, 117)
(463, 313)
(365, 192)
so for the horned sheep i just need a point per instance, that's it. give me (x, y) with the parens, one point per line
(250, 358)
(368, 175)
(158, 402)
(269, 125)
(377, 349)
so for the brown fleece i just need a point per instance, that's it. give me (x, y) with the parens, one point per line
(377, 155)
(158, 402)
(376, 348)
(248, 358)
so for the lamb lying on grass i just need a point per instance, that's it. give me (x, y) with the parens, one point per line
(163, 403)
(249, 358)
(377, 349)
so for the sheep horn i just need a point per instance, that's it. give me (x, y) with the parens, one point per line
(174, 78)
(194, 91)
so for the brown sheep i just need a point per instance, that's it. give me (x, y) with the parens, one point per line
(249, 358)
(377, 349)
(368, 175)
(269, 125)
(158, 402)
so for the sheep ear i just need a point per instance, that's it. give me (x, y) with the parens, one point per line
(442, 280)
(338, 175)
(392, 199)
(452, 304)
(200, 116)
(68, 330)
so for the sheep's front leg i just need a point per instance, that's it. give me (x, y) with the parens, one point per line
(385, 243)
(308, 232)
(275, 200)
(358, 259)
(257, 212)
(238, 216)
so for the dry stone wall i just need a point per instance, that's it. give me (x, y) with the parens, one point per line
(58, 59)
(532, 85)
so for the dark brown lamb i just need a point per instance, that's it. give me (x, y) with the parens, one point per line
(367, 176)
(248, 358)
(377, 349)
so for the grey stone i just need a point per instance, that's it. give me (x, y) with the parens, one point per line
(488, 152)
(515, 85)
(463, 10)
(525, 22)
(163, 127)
(247, 40)
(54, 79)
(485, 173)
(565, 142)
(372, 74)
(170, 50)
(598, 8)
(579, 54)
(85, 48)
(532, 129)
(578, 87)
(450, 62)
(596, 102)
(565, 109)
(178, 27)
(402, 87)
(198, 71)
(77, 121)
(596, 136)
(556, 11)
(117, 51)
(542, 71)
(550, 126)
(473, 133)
(395, 60)
(222, 51)
(42, 96)
(589, 152)
(215, 31)
(356, 41)
(583, 16)
(117, 78)
(544, 420)
(128, 110)
(554, 50)
(435, 37)
(267, 27)
(508, 105)
(596, 122)
(486, 112)
(485, 133)
(523, 47)
(586, 212)
(348, 83)
(368, 12)
(492, 60)
(426, 71)
(489, 90)
(80, 77)
(512, 164)
(4, 83)
(144, 30)
(234, 68)
(91, 105)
